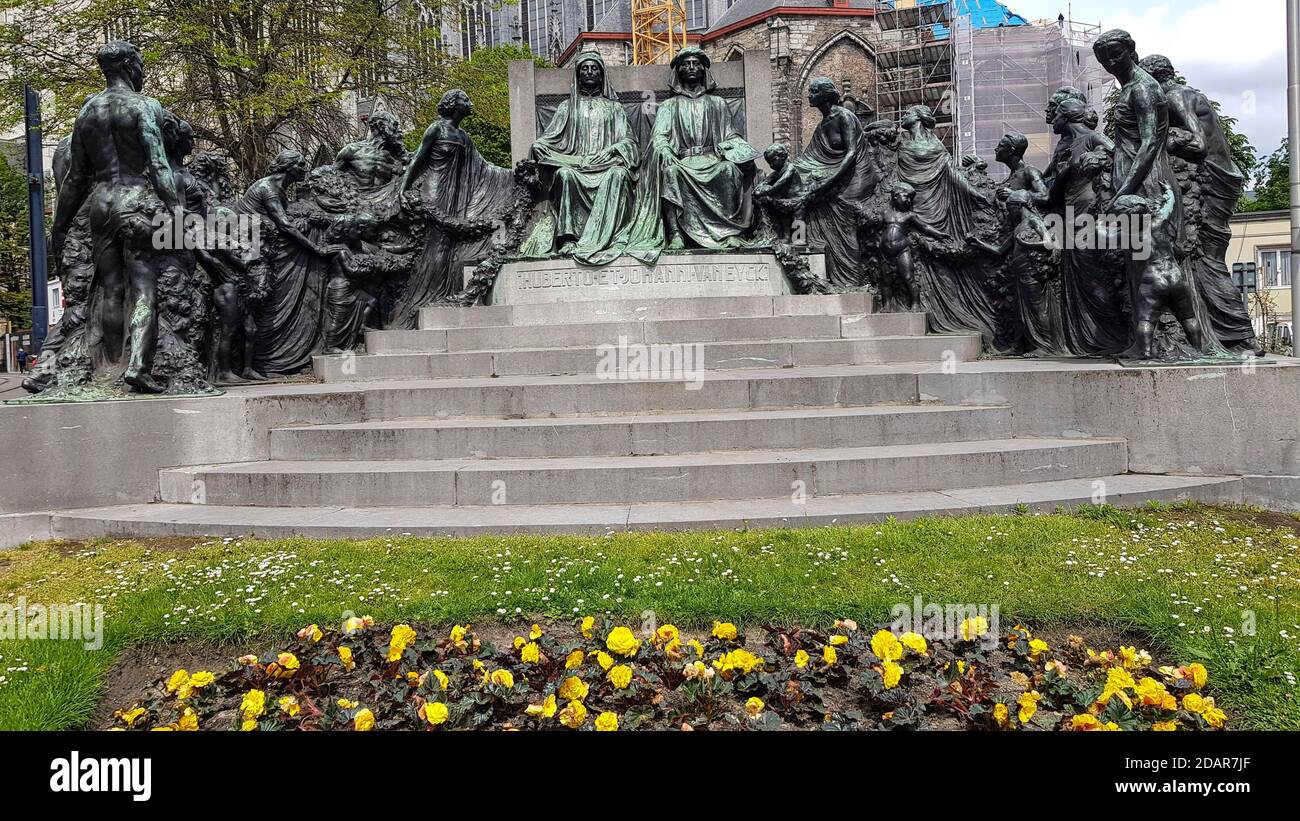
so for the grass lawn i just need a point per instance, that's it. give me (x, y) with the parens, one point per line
(1188, 578)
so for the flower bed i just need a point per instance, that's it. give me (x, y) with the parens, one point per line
(599, 675)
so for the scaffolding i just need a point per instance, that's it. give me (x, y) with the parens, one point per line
(914, 63)
(658, 30)
(1005, 76)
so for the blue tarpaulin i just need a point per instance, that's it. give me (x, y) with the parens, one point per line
(983, 14)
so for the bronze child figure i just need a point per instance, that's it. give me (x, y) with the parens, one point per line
(1161, 283)
(898, 282)
(778, 193)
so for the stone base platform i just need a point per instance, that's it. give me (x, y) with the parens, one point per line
(807, 410)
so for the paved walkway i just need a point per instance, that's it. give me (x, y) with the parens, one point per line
(11, 386)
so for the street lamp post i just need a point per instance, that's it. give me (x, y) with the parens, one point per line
(36, 218)
(1293, 118)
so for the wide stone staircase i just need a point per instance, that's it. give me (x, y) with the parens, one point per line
(503, 419)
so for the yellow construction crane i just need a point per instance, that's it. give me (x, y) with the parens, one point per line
(658, 30)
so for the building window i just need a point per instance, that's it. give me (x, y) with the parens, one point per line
(1275, 268)
(697, 14)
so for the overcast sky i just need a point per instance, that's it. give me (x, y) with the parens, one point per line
(1233, 50)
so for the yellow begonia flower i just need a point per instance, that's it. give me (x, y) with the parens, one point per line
(1198, 674)
(914, 642)
(289, 706)
(1151, 693)
(587, 624)
(839, 641)
(829, 655)
(544, 710)
(401, 638)
(1205, 707)
(754, 706)
(800, 659)
(1084, 721)
(606, 722)
(673, 649)
(131, 716)
(724, 630)
(535, 633)
(435, 712)
(1212, 714)
(1001, 715)
(179, 683)
(972, 629)
(573, 689)
(253, 704)
(189, 720)
(574, 660)
(886, 646)
(1028, 705)
(605, 660)
(531, 653)
(345, 656)
(622, 641)
(347, 703)
(697, 647)
(892, 673)
(1128, 657)
(738, 660)
(665, 634)
(620, 676)
(1118, 681)
(503, 678)
(1089, 723)
(573, 715)
(1165, 726)
(520, 641)
(311, 632)
(1037, 647)
(364, 720)
(443, 681)
(457, 636)
(248, 725)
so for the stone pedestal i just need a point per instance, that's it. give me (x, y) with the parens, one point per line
(688, 275)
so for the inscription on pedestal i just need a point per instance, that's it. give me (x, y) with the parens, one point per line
(528, 282)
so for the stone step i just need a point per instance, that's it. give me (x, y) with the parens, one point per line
(438, 317)
(689, 360)
(638, 434)
(588, 394)
(622, 479)
(592, 334)
(1129, 490)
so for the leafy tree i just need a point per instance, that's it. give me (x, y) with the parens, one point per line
(484, 76)
(1272, 182)
(15, 284)
(253, 77)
